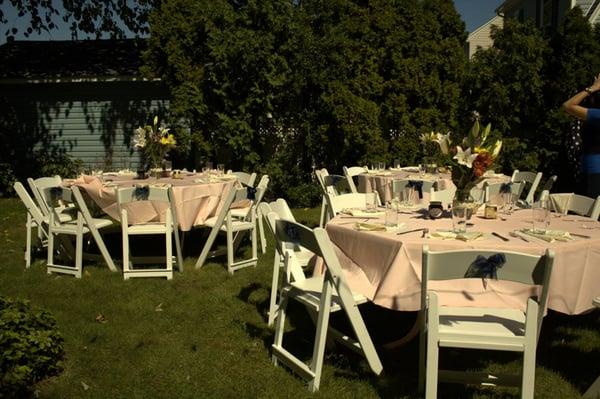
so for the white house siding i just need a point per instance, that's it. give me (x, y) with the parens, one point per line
(480, 38)
(93, 122)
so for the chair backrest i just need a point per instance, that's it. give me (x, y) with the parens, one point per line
(55, 197)
(39, 184)
(245, 178)
(293, 266)
(444, 196)
(126, 195)
(546, 188)
(350, 172)
(336, 185)
(337, 203)
(493, 190)
(399, 185)
(281, 208)
(585, 206)
(532, 179)
(31, 206)
(519, 267)
(320, 175)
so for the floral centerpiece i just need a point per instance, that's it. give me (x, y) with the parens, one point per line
(470, 160)
(154, 142)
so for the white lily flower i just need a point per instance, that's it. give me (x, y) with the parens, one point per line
(444, 141)
(464, 157)
(139, 140)
(497, 148)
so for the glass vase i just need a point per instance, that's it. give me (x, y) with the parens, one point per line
(463, 207)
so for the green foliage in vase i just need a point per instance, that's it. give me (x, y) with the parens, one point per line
(31, 347)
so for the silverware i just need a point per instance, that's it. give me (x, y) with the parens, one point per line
(580, 235)
(514, 234)
(500, 236)
(413, 230)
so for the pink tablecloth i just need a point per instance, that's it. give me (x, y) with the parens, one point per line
(382, 182)
(386, 267)
(194, 202)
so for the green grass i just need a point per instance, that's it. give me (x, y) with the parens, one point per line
(203, 334)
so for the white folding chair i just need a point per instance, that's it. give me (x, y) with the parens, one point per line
(168, 228)
(242, 213)
(481, 327)
(226, 223)
(493, 191)
(321, 295)
(38, 185)
(531, 179)
(272, 212)
(350, 173)
(576, 203)
(35, 219)
(400, 184)
(336, 203)
(244, 178)
(83, 224)
(445, 196)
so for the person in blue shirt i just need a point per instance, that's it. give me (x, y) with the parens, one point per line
(585, 106)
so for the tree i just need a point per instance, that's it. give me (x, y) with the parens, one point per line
(97, 17)
(505, 85)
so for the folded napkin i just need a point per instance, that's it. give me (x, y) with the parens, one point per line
(363, 213)
(109, 184)
(110, 174)
(412, 169)
(549, 235)
(378, 227)
(450, 235)
(126, 172)
(384, 173)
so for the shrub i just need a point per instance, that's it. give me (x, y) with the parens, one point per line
(7, 179)
(30, 344)
(61, 164)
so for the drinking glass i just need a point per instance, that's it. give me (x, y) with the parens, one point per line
(541, 216)
(391, 215)
(381, 165)
(407, 196)
(509, 200)
(421, 169)
(459, 219)
(209, 165)
(220, 169)
(396, 164)
(371, 201)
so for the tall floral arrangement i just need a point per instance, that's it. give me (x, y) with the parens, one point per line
(471, 159)
(430, 147)
(154, 142)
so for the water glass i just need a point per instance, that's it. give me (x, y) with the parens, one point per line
(381, 165)
(459, 219)
(396, 164)
(220, 169)
(421, 169)
(508, 200)
(407, 196)
(209, 165)
(541, 216)
(391, 215)
(371, 201)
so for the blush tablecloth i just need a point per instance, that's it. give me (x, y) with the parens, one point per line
(386, 267)
(194, 202)
(382, 181)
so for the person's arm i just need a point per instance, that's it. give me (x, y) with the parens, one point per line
(572, 107)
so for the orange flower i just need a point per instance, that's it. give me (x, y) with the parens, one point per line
(482, 163)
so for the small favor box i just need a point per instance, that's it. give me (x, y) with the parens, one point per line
(491, 211)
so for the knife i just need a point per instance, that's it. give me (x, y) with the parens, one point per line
(500, 236)
(580, 235)
(411, 231)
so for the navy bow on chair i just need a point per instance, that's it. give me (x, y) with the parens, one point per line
(250, 192)
(486, 268)
(417, 185)
(506, 187)
(141, 193)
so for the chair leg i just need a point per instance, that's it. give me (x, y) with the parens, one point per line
(422, 353)
(169, 252)
(280, 322)
(28, 241)
(254, 238)
(79, 249)
(178, 248)
(321, 337)
(230, 250)
(263, 239)
(50, 260)
(207, 246)
(431, 365)
(126, 255)
(323, 212)
(274, 289)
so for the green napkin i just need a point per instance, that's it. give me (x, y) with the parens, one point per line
(450, 235)
(549, 235)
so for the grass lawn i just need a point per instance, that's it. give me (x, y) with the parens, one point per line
(203, 334)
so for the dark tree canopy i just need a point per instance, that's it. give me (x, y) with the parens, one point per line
(93, 17)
